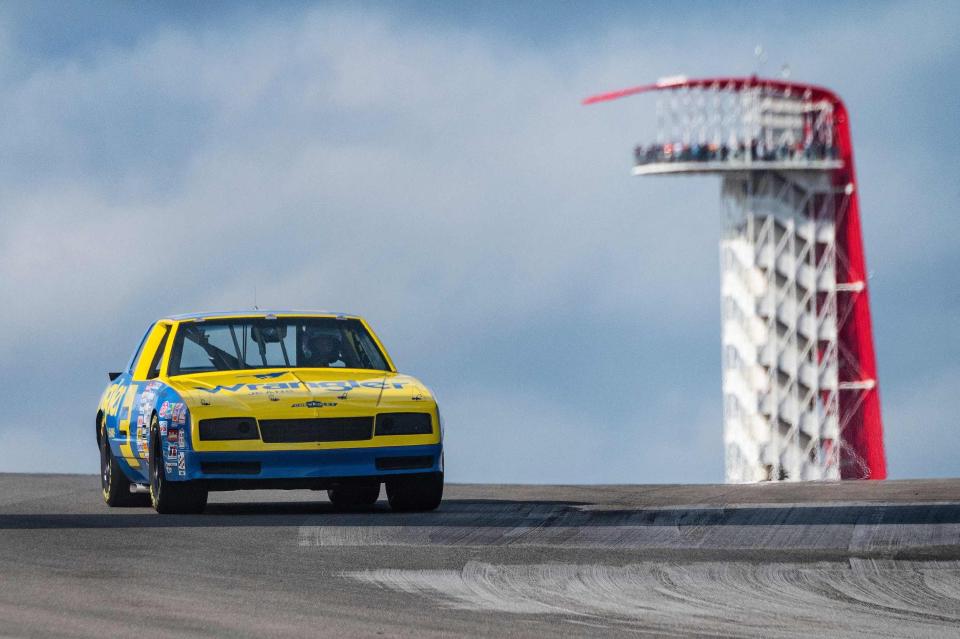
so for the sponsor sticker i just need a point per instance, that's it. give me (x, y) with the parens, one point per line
(313, 404)
(181, 461)
(172, 452)
(164, 410)
(182, 440)
(343, 386)
(172, 435)
(163, 428)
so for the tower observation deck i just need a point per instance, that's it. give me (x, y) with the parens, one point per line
(800, 395)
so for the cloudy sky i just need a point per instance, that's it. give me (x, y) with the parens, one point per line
(430, 167)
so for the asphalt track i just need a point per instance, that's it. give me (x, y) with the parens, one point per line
(871, 559)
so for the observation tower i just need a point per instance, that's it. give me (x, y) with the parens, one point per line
(800, 396)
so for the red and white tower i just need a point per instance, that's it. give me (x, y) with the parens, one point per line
(799, 372)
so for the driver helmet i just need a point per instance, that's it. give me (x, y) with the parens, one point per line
(320, 347)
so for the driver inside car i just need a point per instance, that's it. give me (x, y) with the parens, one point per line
(321, 349)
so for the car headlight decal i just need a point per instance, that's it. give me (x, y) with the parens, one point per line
(404, 424)
(228, 428)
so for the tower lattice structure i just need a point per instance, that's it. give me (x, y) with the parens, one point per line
(800, 394)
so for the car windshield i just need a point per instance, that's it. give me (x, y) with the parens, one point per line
(294, 342)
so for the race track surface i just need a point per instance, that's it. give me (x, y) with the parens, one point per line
(871, 559)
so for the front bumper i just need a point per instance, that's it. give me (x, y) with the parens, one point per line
(307, 468)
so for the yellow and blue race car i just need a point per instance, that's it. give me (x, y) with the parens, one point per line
(250, 400)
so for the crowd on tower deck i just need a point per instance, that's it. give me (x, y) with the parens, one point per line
(754, 151)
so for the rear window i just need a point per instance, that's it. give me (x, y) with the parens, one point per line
(286, 342)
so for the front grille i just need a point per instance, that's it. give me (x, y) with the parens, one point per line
(318, 429)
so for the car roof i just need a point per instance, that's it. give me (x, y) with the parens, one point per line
(255, 313)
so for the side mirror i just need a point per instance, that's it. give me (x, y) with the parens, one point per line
(113, 376)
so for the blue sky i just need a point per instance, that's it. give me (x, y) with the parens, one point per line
(428, 165)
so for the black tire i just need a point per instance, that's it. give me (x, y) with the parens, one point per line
(114, 485)
(171, 497)
(423, 492)
(350, 496)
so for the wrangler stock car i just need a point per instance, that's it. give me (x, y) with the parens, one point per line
(249, 400)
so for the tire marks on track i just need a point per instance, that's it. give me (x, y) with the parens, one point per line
(887, 599)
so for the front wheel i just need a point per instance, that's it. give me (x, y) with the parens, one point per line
(114, 485)
(171, 497)
(418, 493)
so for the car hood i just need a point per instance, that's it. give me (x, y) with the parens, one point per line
(299, 393)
